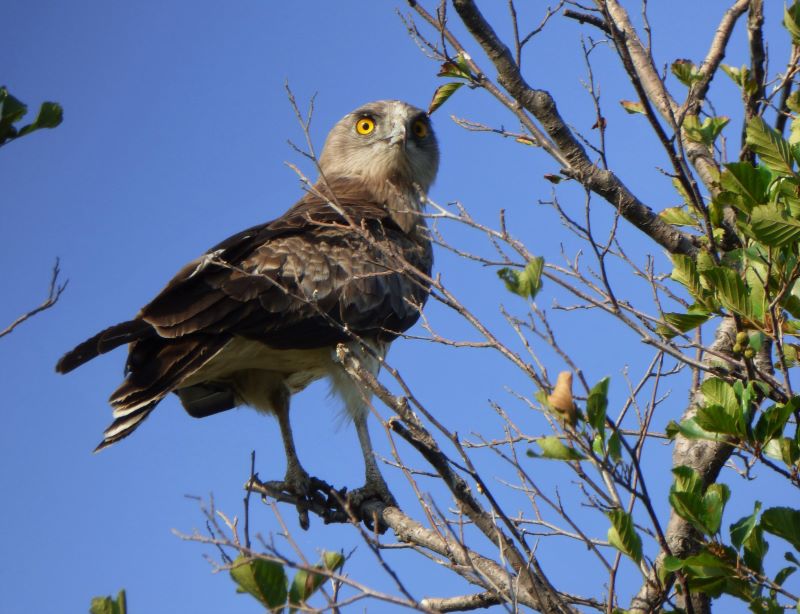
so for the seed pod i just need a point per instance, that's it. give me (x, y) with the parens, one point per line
(561, 399)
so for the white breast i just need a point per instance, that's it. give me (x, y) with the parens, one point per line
(258, 373)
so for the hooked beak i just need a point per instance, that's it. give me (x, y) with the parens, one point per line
(398, 135)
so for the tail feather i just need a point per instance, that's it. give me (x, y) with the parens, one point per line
(163, 372)
(125, 425)
(104, 341)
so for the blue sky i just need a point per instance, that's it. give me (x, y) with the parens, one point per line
(175, 136)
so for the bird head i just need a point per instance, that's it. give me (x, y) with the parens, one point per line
(380, 142)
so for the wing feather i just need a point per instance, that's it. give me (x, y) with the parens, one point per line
(305, 280)
(162, 368)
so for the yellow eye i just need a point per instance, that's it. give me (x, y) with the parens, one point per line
(365, 125)
(420, 129)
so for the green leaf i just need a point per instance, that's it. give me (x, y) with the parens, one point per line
(714, 501)
(755, 549)
(791, 20)
(442, 93)
(702, 510)
(744, 185)
(728, 287)
(684, 322)
(783, 449)
(783, 522)
(783, 574)
(622, 534)
(50, 115)
(458, 68)
(687, 480)
(264, 580)
(678, 216)
(597, 445)
(793, 101)
(756, 300)
(704, 262)
(672, 430)
(690, 429)
(596, 405)
(719, 392)
(770, 226)
(527, 282)
(711, 573)
(11, 111)
(770, 146)
(792, 304)
(794, 133)
(305, 583)
(785, 190)
(614, 447)
(685, 273)
(734, 73)
(685, 71)
(743, 528)
(791, 354)
(705, 133)
(741, 77)
(773, 420)
(689, 506)
(553, 448)
(702, 564)
(632, 107)
(683, 193)
(107, 605)
(716, 419)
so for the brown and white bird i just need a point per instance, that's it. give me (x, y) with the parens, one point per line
(258, 317)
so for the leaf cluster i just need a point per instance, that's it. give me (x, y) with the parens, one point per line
(735, 568)
(456, 68)
(109, 605)
(268, 582)
(756, 282)
(12, 111)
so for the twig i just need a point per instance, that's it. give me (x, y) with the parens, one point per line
(54, 293)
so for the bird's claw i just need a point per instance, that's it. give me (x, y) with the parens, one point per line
(373, 490)
(296, 483)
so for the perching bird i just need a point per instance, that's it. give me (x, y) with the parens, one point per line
(258, 317)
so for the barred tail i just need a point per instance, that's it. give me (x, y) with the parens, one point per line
(125, 425)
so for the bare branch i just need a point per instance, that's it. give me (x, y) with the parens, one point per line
(570, 153)
(54, 293)
(462, 603)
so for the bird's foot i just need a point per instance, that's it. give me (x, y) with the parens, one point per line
(298, 485)
(297, 482)
(375, 490)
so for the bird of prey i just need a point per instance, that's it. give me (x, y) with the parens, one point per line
(258, 317)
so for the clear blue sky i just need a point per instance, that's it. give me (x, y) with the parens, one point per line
(175, 136)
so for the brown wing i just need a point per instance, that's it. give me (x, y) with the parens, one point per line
(296, 282)
(293, 283)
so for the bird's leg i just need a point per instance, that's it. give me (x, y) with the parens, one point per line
(297, 480)
(375, 487)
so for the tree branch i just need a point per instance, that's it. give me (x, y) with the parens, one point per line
(54, 293)
(579, 167)
(462, 603)
(705, 457)
(530, 578)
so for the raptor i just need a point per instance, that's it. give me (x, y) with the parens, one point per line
(258, 317)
